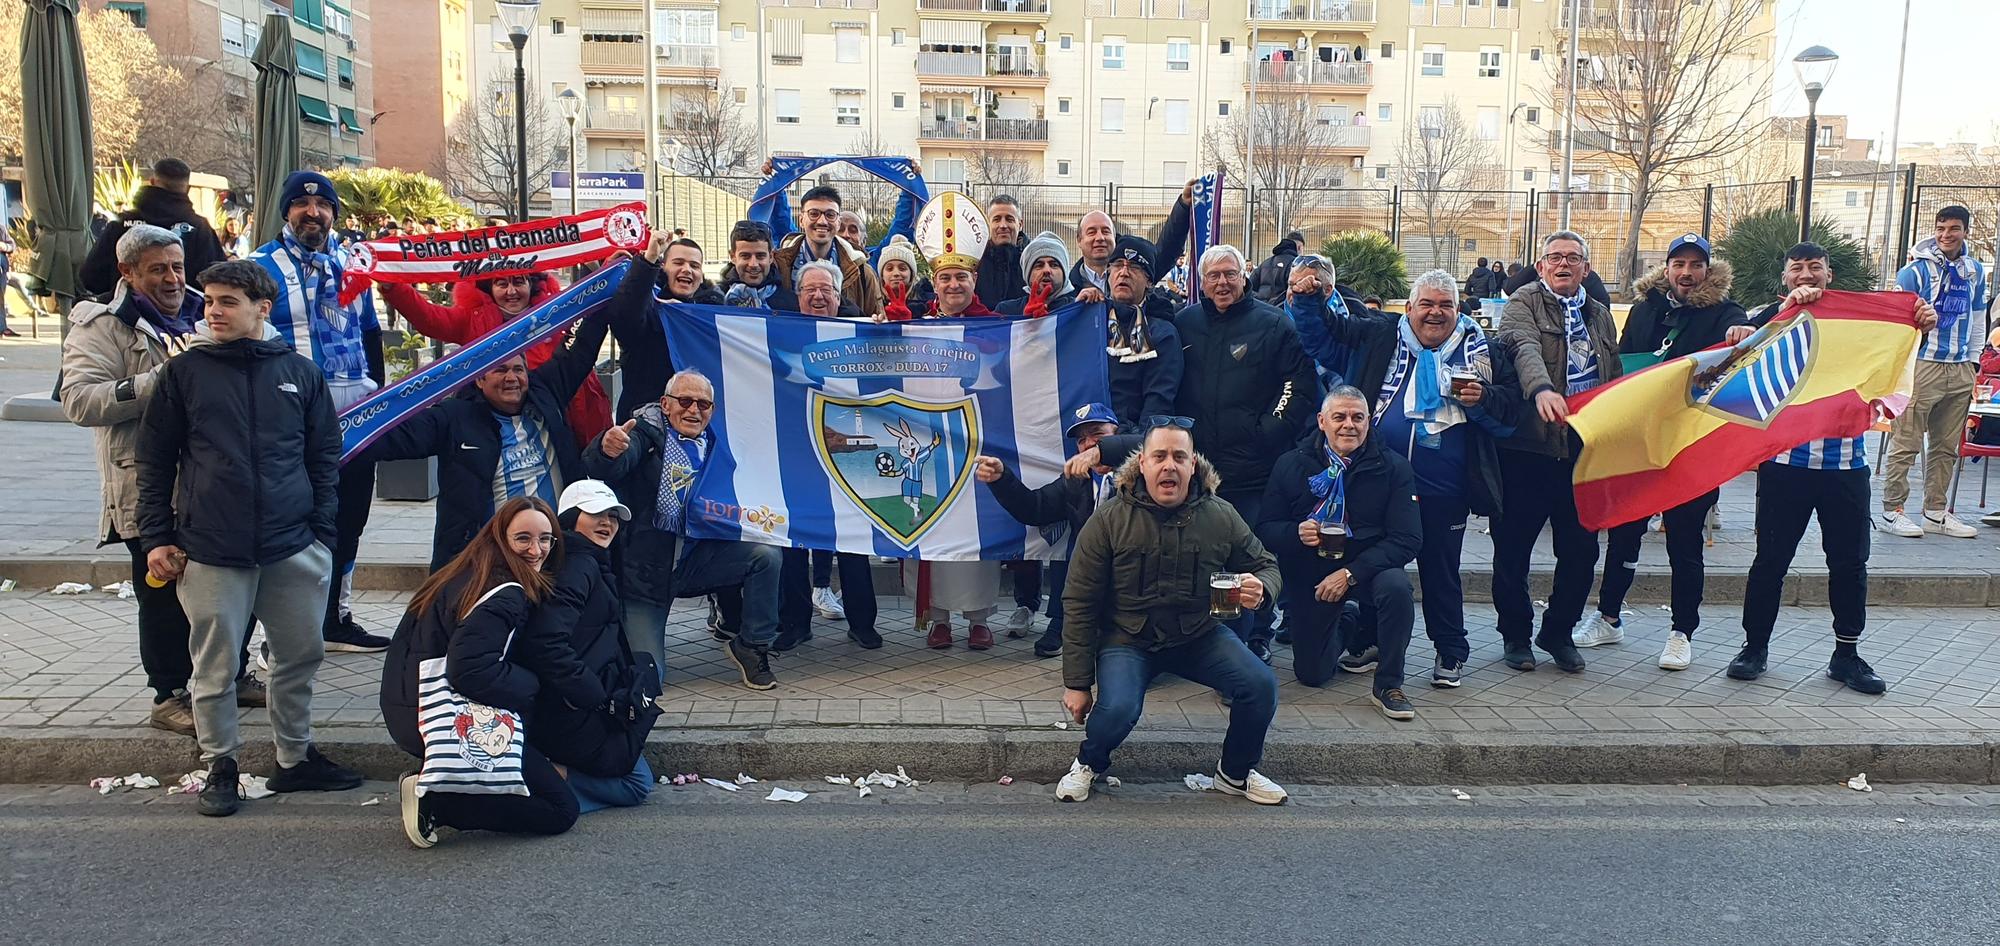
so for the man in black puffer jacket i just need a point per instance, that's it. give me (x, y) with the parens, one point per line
(164, 203)
(674, 267)
(1273, 274)
(238, 455)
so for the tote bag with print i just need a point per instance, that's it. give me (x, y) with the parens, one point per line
(469, 747)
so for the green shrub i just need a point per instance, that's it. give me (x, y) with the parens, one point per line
(1368, 263)
(1755, 249)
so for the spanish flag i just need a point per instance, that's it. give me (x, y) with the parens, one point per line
(1664, 435)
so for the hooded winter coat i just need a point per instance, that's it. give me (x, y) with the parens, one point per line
(473, 315)
(1703, 320)
(481, 661)
(1533, 331)
(582, 614)
(1139, 572)
(1272, 277)
(163, 208)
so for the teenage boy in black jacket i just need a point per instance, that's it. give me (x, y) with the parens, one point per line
(238, 455)
(674, 267)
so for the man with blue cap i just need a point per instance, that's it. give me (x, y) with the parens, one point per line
(308, 261)
(1064, 503)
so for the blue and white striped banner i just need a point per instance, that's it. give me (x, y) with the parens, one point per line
(1204, 227)
(369, 419)
(859, 437)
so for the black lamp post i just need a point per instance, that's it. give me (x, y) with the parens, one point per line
(1814, 66)
(570, 105)
(518, 16)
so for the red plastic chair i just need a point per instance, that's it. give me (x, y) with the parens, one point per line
(1966, 448)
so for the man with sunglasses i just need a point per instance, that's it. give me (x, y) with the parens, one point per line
(652, 462)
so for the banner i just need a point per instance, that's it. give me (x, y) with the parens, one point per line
(363, 423)
(1204, 227)
(537, 246)
(859, 437)
(618, 186)
(785, 172)
(1661, 436)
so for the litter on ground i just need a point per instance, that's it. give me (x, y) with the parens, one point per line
(1006, 780)
(70, 588)
(108, 783)
(785, 794)
(1461, 796)
(742, 779)
(1860, 783)
(725, 786)
(1199, 782)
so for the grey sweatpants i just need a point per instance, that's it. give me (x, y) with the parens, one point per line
(290, 598)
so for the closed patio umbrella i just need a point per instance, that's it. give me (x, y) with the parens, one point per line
(56, 159)
(277, 127)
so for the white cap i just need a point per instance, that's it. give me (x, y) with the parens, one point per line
(593, 497)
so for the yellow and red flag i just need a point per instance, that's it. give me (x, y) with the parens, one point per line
(1661, 436)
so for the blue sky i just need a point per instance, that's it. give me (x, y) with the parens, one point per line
(1948, 90)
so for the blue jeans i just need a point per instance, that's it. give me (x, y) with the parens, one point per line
(1058, 575)
(596, 793)
(1217, 659)
(707, 567)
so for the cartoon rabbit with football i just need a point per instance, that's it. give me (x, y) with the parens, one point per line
(915, 454)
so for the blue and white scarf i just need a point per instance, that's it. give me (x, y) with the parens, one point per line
(681, 460)
(806, 256)
(526, 466)
(1583, 373)
(1330, 485)
(1425, 399)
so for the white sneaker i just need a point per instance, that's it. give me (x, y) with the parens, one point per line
(261, 646)
(1599, 632)
(1019, 622)
(1256, 787)
(826, 601)
(1946, 524)
(1679, 652)
(1895, 523)
(1076, 785)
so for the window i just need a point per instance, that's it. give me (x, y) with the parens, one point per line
(1853, 198)
(135, 12)
(1534, 54)
(312, 60)
(741, 95)
(555, 27)
(1178, 112)
(1180, 54)
(1111, 115)
(1381, 173)
(786, 103)
(1489, 62)
(313, 14)
(1471, 246)
(1489, 122)
(1222, 108)
(1433, 59)
(847, 45)
(1062, 106)
(1430, 120)
(1534, 116)
(1226, 46)
(337, 21)
(1528, 175)
(232, 36)
(345, 70)
(1065, 42)
(684, 27)
(848, 111)
(898, 37)
(1110, 172)
(1328, 115)
(1114, 52)
(1062, 168)
(1826, 136)
(896, 100)
(738, 32)
(1173, 172)
(1384, 112)
(1388, 51)
(948, 170)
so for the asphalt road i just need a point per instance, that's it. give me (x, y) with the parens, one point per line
(1150, 865)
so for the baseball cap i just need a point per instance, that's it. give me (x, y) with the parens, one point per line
(1686, 240)
(1089, 414)
(593, 497)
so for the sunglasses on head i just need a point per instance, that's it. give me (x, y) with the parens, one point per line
(1168, 420)
(700, 403)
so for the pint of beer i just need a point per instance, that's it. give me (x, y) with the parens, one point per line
(1225, 596)
(1332, 539)
(1460, 378)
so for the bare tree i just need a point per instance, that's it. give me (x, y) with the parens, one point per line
(1665, 87)
(480, 157)
(1292, 167)
(1441, 162)
(715, 139)
(999, 169)
(199, 113)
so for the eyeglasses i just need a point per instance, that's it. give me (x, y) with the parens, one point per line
(822, 214)
(1168, 420)
(699, 403)
(1570, 258)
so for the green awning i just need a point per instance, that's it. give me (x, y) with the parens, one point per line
(315, 110)
(349, 122)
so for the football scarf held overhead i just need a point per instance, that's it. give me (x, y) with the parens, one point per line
(1664, 435)
(1204, 227)
(537, 246)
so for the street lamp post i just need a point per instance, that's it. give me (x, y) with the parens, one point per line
(518, 16)
(1814, 66)
(570, 105)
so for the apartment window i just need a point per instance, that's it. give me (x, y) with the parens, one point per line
(1384, 112)
(1471, 246)
(232, 36)
(1388, 51)
(135, 12)
(1488, 122)
(847, 45)
(1430, 120)
(1062, 106)
(1110, 172)
(1180, 55)
(344, 68)
(1111, 115)
(1065, 42)
(1328, 115)
(312, 60)
(1534, 54)
(898, 37)
(1381, 173)
(739, 32)
(313, 14)
(1062, 168)
(684, 27)
(1226, 46)
(896, 100)
(786, 103)
(948, 170)
(1489, 62)
(1222, 108)
(1534, 116)
(1177, 116)
(1853, 198)
(741, 95)
(1114, 52)
(555, 27)
(848, 111)
(1433, 63)
(1173, 172)
(1528, 175)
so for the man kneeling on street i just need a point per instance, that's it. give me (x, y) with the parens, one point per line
(1139, 601)
(1340, 513)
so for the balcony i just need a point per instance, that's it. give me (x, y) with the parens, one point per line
(1311, 75)
(1318, 139)
(677, 60)
(1634, 19)
(620, 123)
(1474, 15)
(1312, 14)
(1011, 67)
(954, 65)
(997, 11)
(624, 59)
(1012, 134)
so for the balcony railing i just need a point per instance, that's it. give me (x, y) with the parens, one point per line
(1313, 72)
(986, 6)
(948, 130)
(1314, 11)
(1025, 64)
(686, 57)
(951, 64)
(991, 129)
(606, 119)
(1634, 18)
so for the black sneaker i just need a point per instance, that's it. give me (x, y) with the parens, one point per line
(1366, 661)
(754, 664)
(1520, 658)
(316, 774)
(1749, 664)
(1050, 644)
(1447, 674)
(1260, 648)
(865, 636)
(786, 639)
(1856, 675)
(1393, 703)
(221, 794)
(1568, 659)
(347, 637)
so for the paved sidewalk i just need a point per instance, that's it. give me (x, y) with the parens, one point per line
(68, 662)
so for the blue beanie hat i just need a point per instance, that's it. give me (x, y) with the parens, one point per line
(307, 184)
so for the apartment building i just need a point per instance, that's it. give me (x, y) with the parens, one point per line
(336, 81)
(426, 53)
